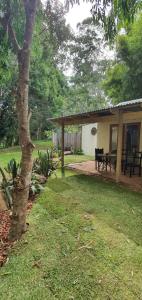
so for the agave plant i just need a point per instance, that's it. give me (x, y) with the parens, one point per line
(45, 164)
(13, 168)
(6, 185)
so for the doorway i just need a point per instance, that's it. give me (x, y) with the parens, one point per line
(131, 137)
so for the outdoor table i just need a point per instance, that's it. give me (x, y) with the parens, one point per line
(107, 159)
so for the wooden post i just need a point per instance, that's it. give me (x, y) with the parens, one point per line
(119, 146)
(62, 149)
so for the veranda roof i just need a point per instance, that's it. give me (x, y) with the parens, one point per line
(92, 116)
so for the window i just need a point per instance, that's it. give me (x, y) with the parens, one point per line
(113, 138)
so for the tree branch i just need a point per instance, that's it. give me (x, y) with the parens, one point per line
(6, 24)
(13, 39)
(3, 23)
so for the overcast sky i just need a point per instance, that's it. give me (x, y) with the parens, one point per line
(78, 13)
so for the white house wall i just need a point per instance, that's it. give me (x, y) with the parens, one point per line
(100, 140)
(89, 141)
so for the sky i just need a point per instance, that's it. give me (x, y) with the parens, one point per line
(77, 14)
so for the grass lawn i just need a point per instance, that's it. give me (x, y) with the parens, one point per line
(84, 242)
(5, 156)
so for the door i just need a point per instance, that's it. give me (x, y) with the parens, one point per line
(131, 137)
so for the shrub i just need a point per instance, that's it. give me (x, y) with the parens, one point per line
(78, 152)
(45, 163)
(35, 186)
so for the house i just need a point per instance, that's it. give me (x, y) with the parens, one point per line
(100, 135)
(114, 128)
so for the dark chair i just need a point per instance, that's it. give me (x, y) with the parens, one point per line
(132, 163)
(98, 159)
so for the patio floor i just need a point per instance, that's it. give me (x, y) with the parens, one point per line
(88, 167)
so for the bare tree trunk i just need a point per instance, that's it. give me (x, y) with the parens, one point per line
(22, 182)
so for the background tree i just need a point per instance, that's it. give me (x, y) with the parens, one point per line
(124, 77)
(88, 65)
(48, 86)
(112, 15)
(48, 94)
(8, 77)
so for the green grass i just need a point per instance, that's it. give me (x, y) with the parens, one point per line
(8, 154)
(40, 145)
(76, 158)
(84, 242)
(43, 144)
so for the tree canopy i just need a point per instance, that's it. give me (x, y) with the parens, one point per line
(124, 77)
(48, 85)
(111, 14)
(88, 65)
(94, 80)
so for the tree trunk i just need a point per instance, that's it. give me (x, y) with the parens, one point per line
(22, 181)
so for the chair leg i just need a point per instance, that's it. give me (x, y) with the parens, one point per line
(98, 166)
(130, 171)
(124, 170)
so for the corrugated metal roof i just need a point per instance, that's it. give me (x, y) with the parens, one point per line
(132, 105)
(131, 102)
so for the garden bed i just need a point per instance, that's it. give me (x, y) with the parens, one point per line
(5, 244)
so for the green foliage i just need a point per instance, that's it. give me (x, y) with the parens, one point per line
(114, 83)
(8, 77)
(124, 78)
(88, 69)
(48, 86)
(13, 168)
(112, 15)
(45, 164)
(78, 152)
(7, 184)
(48, 134)
(8, 122)
(35, 186)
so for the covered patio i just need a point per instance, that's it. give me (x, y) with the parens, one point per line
(129, 112)
(87, 167)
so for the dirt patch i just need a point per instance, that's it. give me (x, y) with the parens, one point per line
(4, 230)
(5, 244)
(2, 202)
